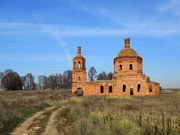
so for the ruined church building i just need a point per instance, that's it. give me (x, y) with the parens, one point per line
(128, 76)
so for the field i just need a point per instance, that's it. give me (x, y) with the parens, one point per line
(89, 115)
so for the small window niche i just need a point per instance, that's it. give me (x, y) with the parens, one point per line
(124, 88)
(120, 66)
(110, 89)
(102, 89)
(131, 67)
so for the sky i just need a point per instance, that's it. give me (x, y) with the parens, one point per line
(41, 36)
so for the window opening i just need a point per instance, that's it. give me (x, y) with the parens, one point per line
(124, 88)
(138, 87)
(120, 67)
(131, 91)
(130, 67)
(110, 89)
(79, 65)
(102, 89)
(150, 89)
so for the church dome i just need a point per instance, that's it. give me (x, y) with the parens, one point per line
(127, 51)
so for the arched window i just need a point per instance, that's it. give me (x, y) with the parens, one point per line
(138, 87)
(110, 89)
(79, 65)
(150, 88)
(120, 66)
(130, 67)
(124, 88)
(102, 89)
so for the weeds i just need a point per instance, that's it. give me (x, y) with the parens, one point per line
(16, 106)
(106, 115)
(126, 115)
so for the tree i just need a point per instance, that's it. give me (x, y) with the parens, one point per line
(148, 79)
(110, 76)
(28, 82)
(92, 74)
(59, 80)
(52, 82)
(102, 76)
(12, 81)
(1, 76)
(8, 71)
(42, 82)
(67, 79)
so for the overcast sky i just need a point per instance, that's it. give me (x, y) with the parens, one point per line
(41, 36)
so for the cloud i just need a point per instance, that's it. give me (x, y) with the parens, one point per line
(139, 23)
(151, 27)
(172, 6)
(18, 28)
(168, 47)
(68, 55)
(59, 37)
(35, 57)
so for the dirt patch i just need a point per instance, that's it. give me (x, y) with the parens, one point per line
(51, 125)
(23, 129)
(46, 122)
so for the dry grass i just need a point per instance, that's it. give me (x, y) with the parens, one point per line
(39, 124)
(108, 115)
(16, 106)
(126, 115)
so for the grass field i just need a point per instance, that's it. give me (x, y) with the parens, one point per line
(16, 106)
(95, 115)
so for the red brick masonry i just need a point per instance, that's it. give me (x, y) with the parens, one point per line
(128, 76)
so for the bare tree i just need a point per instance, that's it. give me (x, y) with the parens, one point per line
(59, 80)
(28, 82)
(102, 76)
(92, 73)
(1, 76)
(67, 79)
(110, 76)
(52, 79)
(42, 82)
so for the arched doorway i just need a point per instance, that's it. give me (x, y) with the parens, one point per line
(79, 92)
(131, 91)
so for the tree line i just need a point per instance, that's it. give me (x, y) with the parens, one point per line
(11, 80)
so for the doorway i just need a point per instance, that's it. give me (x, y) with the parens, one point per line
(131, 92)
(79, 92)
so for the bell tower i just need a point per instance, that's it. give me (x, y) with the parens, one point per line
(79, 67)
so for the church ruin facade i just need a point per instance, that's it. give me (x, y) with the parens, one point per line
(128, 76)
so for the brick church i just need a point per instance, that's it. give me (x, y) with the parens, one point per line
(128, 76)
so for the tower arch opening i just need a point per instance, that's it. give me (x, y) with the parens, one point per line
(79, 92)
(79, 65)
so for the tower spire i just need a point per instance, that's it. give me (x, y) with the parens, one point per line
(127, 43)
(79, 50)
